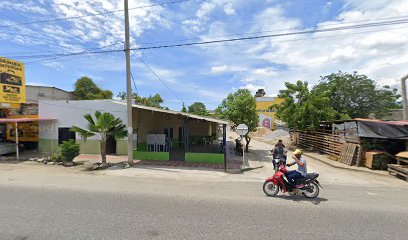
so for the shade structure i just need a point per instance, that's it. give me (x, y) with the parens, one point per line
(20, 120)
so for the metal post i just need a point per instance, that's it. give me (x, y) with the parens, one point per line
(243, 154)
(16, 135)
(128, 85)
(404, 97)
(224, 141)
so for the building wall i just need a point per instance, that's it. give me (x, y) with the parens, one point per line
(70, 113)
(35, 94)
(151, 122)
(262, 107)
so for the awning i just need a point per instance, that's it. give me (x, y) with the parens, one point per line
(18, 120)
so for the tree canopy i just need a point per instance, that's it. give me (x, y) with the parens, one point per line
(86, 89)
(198, 108)
(337, 96)
(240, 107)
(356, 96)
(302, 108)
(151, 101)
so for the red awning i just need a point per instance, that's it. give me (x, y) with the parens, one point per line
(18, 120)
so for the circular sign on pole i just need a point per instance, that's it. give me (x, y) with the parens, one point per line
(242, 129)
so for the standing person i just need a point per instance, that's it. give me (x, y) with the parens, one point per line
(302, 167)
(279, 152)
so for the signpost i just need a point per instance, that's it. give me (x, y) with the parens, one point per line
(242, 130)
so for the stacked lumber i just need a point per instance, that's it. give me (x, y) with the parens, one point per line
(399, 170)
(348, 154)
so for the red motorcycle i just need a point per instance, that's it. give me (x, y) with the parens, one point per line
(307, 186)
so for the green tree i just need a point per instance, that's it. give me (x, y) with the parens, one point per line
(86, 89)
(302, 108)
(184, 109)
(240, 107)
(198, 108)
(356, 96)
(151, 101)
(104, 125)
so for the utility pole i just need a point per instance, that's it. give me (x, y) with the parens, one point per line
(404, 97)
(128, 86)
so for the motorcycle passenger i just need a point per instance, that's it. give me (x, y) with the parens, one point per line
(302, 167)
(279, 152)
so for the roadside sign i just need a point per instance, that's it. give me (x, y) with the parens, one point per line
(12, 82)
(242, 129)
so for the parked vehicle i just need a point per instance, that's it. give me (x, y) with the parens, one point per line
(307, 186)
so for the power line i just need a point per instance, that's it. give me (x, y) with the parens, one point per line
(358, 26)
(269, 31)
(351, 27)
(157, 76)
(134, 83)
(91, 15)
(47, 55)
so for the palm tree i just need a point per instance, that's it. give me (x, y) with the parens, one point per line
(105, 125)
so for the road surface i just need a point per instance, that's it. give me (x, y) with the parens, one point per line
(35, 205)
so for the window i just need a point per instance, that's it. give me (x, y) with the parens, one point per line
(64, 134)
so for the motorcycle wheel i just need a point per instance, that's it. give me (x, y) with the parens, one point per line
(270, 189)
(312, 190)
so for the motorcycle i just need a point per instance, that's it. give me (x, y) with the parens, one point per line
(307, 186)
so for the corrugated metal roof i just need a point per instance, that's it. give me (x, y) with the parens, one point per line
(189, 115)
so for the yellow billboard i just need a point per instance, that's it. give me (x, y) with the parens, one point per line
(12, 81)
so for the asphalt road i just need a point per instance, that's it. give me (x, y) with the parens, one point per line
(88, 207)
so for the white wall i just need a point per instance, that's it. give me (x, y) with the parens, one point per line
(69, 113)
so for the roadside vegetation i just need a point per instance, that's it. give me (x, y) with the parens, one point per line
(337, 96)
(240, 107)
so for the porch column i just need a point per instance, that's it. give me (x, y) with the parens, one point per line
(224, 143)
(168, 139)
(186, 135)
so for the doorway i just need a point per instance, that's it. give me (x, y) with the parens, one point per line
(111, 145)
(64, 134)
(177, 152)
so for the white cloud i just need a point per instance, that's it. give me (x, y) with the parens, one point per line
(203, 13)
(219, 69)
(381, 55)
(251, 87)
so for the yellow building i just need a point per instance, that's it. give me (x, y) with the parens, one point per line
(266, 115)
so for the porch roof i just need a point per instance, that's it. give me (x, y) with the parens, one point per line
(18, 120)
(189, 115)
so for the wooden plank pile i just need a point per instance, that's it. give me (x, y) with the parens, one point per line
(348, 154)
(400, 170)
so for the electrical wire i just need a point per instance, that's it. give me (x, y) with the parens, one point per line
(351, 27)
(268, 31)
(92, 15)
(358, 26)
(134, 83)
(157, 76)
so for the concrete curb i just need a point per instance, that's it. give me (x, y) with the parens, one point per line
(345, 168)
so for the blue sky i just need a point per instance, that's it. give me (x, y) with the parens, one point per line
(205, 73)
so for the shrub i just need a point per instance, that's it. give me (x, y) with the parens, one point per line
(55, 157)
(69, 150)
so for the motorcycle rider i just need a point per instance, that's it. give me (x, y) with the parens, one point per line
(302, 167)
(279, 152)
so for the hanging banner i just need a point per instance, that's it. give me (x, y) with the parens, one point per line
(12, 81)
(27, 131)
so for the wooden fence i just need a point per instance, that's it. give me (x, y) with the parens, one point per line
(327, 143)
